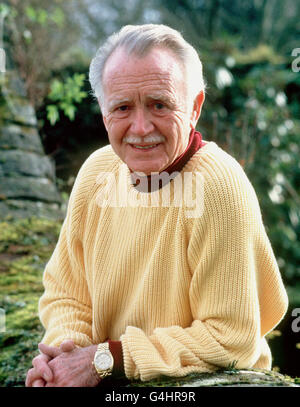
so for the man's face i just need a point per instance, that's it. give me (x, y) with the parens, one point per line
(146, 110)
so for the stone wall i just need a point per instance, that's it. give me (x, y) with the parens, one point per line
(27, 175)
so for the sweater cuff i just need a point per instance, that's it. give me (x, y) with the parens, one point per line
(116, 350)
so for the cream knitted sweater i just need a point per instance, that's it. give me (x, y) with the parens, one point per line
(184, 294)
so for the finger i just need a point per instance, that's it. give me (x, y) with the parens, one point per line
(41, 356)
(39, 383)
(50, 384)
(67, 345)
(51, 351)
(31, 377)
(40, 364)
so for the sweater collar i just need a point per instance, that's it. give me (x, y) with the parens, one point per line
(194, 144)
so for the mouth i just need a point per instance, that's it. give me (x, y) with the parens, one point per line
(141, 147)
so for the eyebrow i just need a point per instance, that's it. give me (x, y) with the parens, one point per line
(170, 102)
(117, 102)
(160, 98)
(155, 97)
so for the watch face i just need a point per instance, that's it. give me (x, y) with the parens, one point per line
(103, 361)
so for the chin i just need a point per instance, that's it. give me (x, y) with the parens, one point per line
(143, 171)
(147, 170)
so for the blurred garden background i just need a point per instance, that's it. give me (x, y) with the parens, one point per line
(50, 123)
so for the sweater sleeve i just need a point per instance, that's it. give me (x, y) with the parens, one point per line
(65, 306)
(236, 293)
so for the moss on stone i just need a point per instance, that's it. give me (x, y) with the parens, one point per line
(25, 247)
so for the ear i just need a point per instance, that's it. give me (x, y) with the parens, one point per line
(197, 107)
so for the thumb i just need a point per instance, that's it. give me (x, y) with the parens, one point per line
(67, 345)
(51, 351)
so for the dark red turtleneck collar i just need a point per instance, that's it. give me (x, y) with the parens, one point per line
(195, 143)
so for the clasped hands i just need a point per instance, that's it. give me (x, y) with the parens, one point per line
(66, 366)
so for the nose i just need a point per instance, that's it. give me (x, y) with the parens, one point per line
(141, 124)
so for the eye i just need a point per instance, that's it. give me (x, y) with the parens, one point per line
(159, 106)
(121, 111)
(122, 108)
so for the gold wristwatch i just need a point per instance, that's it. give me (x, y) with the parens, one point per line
(103, 360)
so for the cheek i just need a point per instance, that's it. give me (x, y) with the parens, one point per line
(177, 131)
(115, 130)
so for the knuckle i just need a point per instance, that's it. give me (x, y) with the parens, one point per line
(45, 358)
(39, 360)
(36, 361)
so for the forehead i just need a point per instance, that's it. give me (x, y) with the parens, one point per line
(160, 67)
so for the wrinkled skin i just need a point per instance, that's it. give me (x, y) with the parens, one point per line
(146, 97)
(66, 366)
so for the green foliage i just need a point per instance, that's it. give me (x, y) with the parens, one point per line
(261, 53)
(23, 234)
(40, 36)
(52, 114)
(232, 366)
(4, 9)
(42, 16)
(37, 15)
(66, 95)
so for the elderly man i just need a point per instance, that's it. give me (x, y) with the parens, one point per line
(139, 284)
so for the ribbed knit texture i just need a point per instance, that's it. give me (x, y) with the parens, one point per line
(182, 294)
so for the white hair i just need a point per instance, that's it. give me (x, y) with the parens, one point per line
(138, 40)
